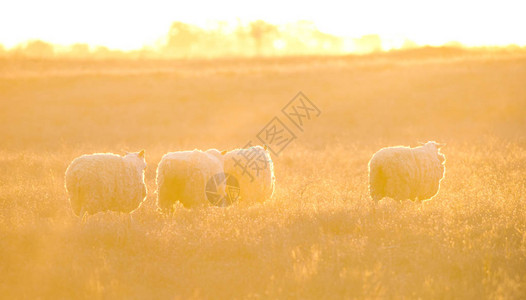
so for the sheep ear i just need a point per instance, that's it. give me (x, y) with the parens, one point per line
(223, 152)
(141, 154)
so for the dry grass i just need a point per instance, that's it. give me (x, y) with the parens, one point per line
(320, 237)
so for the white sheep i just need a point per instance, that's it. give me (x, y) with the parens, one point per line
(406, 173)
(106, 182)
(254, 170)
(183, 176)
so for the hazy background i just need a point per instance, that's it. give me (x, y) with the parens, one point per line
(114, 77)
(236, 28)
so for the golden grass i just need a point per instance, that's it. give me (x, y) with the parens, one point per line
(320, 237)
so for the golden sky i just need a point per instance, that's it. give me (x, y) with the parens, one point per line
(128, 25)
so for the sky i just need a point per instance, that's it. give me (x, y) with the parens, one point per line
(128, 25)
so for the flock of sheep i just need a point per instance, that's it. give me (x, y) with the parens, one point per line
(109, 182)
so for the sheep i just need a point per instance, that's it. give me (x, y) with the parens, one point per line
(254, 170)
(406, 173)
(183, 176)
(106, 182)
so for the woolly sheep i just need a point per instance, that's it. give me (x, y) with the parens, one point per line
(406, 173)
(182, 176)
(106, 182)
(254, 170)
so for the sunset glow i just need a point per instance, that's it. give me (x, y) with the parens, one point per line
(128, 25)
(262, 150)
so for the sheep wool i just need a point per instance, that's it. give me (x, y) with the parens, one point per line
(182, 176)
(406, 173)
(106, 182)
(254, 170)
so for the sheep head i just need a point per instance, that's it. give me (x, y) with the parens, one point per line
(434, 147)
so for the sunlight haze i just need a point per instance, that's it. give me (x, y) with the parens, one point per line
(262, 150)
(132, 25)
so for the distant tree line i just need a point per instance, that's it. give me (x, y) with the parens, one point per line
(255, 39)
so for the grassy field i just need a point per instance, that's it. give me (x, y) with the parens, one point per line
(320, 236)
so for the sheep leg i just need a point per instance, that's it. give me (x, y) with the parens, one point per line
(377, 184)
(83, 215)
(166, 198)
(403, 192)
(129, 220)
(397, 190)
(125, 218)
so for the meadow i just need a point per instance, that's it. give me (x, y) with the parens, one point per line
(320, 236)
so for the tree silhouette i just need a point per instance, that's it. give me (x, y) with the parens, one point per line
(368, 44)
(80, 50)
(38, 48)
(262, 32)
(183, 38)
